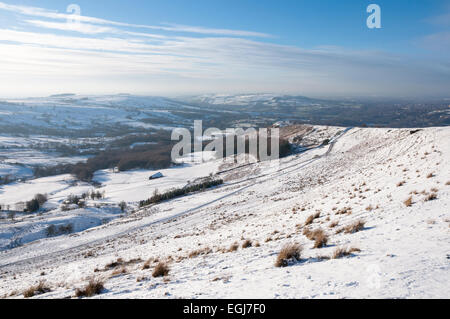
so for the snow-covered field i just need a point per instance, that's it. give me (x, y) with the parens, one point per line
(366, 173)
(130, 187)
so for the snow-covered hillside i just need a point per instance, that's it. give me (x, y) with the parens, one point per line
(255, 99)
(395, 181)
(85, 112)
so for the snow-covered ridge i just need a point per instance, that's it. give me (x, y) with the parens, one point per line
(82, 112)
(254, 99)
(365, 174)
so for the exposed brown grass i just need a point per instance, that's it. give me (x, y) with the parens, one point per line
(318, 235)
(344, 211)
(200, 252)
(141, 279)
(247, 244)
(431, 175)
(121, 263)
(355, 227)
(311, 218)
(310, 234)
(320, 239)
(39, 289)
(408, 202)
(161, 270)
(119, 271)
(115, 264)
(448, 183)
(431, 197)
(334, 224)
(94, 287)
(400, 184)
(290, 252)
(147, 264)
(233, 247)
(344, 252)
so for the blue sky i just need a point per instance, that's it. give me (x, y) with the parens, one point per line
(316, 48)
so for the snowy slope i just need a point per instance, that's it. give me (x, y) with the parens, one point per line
(404, 249)
(83, 112)
(254, 99)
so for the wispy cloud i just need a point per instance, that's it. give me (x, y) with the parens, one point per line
(438, 41)
(44, 13)
(85, 28)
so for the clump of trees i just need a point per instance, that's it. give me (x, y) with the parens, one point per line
(123, 206)
(53, 230)
(177, 192)
(5, 180)
(285, 148)
(154, 156)
(36, 203)
(80, 201)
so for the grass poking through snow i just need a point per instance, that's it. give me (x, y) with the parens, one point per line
(94, 287)
(39, 289)
(161, 270)
(289, 253)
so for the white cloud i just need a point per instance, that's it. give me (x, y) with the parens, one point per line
(85, 28)
(44, 13)
(439, 41)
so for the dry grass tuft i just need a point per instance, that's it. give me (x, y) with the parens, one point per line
(355, 227)
(94, 287)
(114, 264)
(344, 252)
(408, 202)
(320, 238)
(311, 219)
(290, 252)
(431, 197)
(39, 289)
(121, 263)
(448, 183)
(147, 264)
(318, 235)
(344, 211)
(234, 247)
(334, 224)
(247, 244)
(119, 271)
(431, 175)
(200, 252)
(306, 232)
(161, 270)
